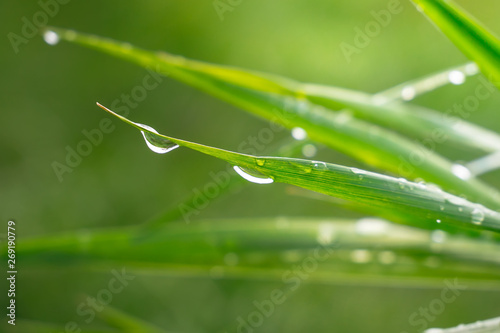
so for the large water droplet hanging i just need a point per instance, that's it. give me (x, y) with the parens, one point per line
(156, 143)
(50, 37)
(252, 175)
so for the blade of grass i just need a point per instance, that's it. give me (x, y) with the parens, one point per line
(367, 250)
(366, 142)
(427, 204)
(467, 33)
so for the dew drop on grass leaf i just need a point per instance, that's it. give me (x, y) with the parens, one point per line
(359, 172)
(456, 77)
(260, 162)
(50, 37)
(477, 216)
(408, 93)
(461, 171)
(319, 165)
(252, 175)
(157, 144)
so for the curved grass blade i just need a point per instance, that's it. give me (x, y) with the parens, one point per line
(369, 251)
(366, 142)
(428, 205)
(469, 35)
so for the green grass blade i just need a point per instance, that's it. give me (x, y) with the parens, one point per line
(425, 203)
(364, 141)
(473, 39)
(367, 250)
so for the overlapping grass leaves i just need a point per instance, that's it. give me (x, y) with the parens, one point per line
(289, 103)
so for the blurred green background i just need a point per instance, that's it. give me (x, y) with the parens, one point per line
(48, 96)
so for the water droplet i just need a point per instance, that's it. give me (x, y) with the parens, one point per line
(438, 236)
(477, 215)
(231, 259)
(408, 93)
(309, 150)
(361, 256)
(456, 77)
(299, 133)
(156, 143)
(319, 165)
(461, 171)
(326, 233)
(438, 221)
(371, 226)
(471, 69)
(358, 172)
(50, 37)
(260, 162)
(386, 257)
(253, 176)
(402, 183)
